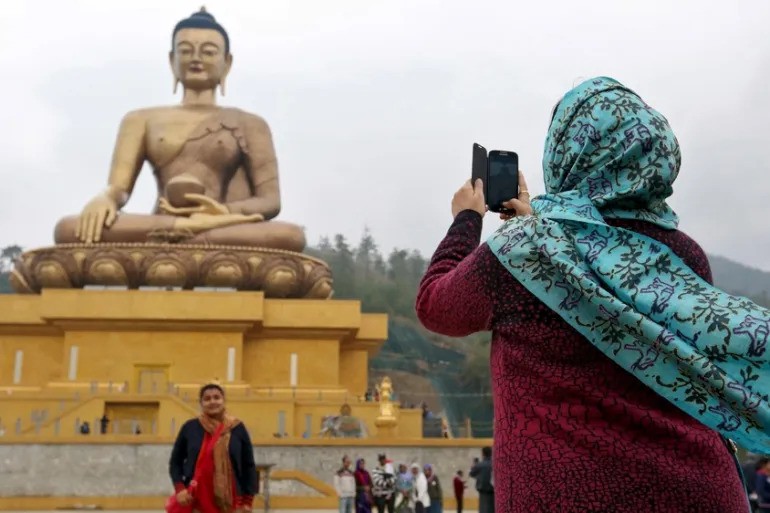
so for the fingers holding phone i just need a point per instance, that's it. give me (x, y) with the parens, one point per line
(469, 197)
(519, 206)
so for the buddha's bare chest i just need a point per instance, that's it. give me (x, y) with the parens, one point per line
(168, 133)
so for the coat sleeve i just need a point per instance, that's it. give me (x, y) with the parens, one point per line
(177, 460)
(457, 293)
(249, 479)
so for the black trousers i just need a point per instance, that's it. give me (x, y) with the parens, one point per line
(385, 503)
(419, 508)
(486, 503)
(459, 504)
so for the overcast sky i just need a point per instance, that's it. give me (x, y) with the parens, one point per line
(374, 104)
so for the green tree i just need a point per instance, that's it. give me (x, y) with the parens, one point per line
(366, 253)
(390, 286)
(344, 267)
(474, 374)
(8, 256)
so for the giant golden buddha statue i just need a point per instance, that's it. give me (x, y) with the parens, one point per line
(218, 195)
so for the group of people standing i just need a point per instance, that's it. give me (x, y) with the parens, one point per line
(411, 489)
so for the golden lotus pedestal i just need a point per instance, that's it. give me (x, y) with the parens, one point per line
(277, 273)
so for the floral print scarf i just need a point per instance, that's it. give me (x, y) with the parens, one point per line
(609, 155)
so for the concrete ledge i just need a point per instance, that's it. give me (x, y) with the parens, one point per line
(135, 477)
(156, 503)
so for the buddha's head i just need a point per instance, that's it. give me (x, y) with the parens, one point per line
(200, 52)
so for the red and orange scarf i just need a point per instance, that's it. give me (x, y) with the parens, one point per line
(218, 443)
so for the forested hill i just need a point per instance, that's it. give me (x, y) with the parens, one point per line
(740, 279)
(444, 372)
(458, 369)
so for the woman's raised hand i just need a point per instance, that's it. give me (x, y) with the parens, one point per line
(469, 197)
(521, 205)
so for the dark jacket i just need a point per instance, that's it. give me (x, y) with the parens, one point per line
(762, 487)
(434, 490)
(188, 443)
(482, 471)
(750, 476)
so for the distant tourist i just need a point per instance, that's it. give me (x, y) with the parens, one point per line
(459, 485)
(363, 488)
(85, 428)
(384, 485)
(104, 423)
(750, 468)
(214, 451)
(435, 492)
(482, 473)
(345, 485)
(762, 484)
(420, 497)
(404, 486)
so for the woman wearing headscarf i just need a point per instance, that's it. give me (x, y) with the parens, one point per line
(420, 499)
(435, 493)
(212, 462)
(363, 488)
(404, 486)
(615, 363)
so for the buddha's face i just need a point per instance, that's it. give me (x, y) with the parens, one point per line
(198, 59)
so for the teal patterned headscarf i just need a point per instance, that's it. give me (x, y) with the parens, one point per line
(609, 155)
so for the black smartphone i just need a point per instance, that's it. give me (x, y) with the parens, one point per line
(502, 179)
(479, 166)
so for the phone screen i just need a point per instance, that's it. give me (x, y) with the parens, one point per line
(503, 179)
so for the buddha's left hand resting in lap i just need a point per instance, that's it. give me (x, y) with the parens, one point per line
(215, 167)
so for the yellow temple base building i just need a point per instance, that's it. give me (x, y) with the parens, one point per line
(130, 362)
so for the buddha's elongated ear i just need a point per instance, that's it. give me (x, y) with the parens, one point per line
(228, 65)
(173, 71)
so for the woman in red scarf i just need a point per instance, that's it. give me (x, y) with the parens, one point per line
(363, 488)
(212, 462)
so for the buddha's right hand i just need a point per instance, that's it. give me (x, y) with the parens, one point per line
(100, 212)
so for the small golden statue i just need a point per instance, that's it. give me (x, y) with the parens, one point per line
(218, 188)
(386, 421)
(386, 398)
